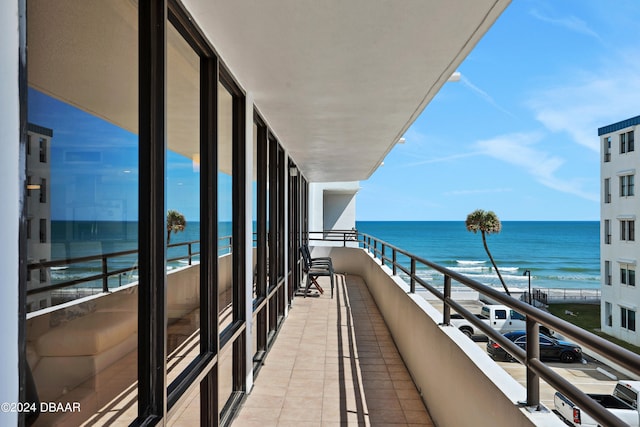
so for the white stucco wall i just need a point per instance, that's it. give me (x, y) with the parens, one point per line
(459, 383)
(339, 211)
(618, 251)
(248, 265)
(332, 203)
(9, 213)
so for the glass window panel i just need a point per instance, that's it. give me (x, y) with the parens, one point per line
(83, 198)
(225, 205)
(226, 218)
(254, 210)
(183, 203)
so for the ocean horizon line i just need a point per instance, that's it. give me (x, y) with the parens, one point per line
(462, 220)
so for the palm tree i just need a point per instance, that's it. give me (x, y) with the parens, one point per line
(486, 222)
(175, 222)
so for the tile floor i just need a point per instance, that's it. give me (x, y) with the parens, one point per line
(333, 364)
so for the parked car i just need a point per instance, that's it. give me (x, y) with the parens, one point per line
(623, 403)
(499, 317)
(550, 348)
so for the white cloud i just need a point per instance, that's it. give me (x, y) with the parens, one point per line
(478, 191)
(444, 159)
(484, 95)
(518, 149)
(601, 97)
(571, 23)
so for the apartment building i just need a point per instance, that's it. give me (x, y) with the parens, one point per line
(38, 226)
(619, 245)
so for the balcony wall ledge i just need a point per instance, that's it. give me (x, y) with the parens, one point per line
(456, 379)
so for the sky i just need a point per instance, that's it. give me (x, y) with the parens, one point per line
(518, 134)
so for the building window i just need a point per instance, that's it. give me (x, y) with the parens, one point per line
(43, 230)
(43, 150)
(607, 149)
(43, 190)
(627, 185)
(607, 314)
(43, 272)
(627, 319)
(607, 273)
(627, 230)
(607, 190)
(630, 142)
(627, 274)
(607, 232)
(623, 143)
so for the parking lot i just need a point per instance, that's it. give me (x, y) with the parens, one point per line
(587, 376)
(591, 376)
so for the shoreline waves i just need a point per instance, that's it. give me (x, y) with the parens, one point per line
(559, 254)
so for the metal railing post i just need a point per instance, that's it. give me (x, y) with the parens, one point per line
(105, 277)
(413, 275)
(375, 248)
(446, 310)
(394, 257)
(190, 253)
(382, 254)
(533, 352)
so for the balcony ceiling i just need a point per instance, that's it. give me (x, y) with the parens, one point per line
(339, 82)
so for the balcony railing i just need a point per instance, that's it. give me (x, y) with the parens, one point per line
(536, 370)
(389, 256)
(180, 252)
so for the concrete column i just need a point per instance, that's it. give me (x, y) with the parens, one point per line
(248, 265)
(287, 236)
(11, 163)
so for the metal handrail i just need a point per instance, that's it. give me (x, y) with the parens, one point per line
(344, 236)
(105, 274)
(534, 317)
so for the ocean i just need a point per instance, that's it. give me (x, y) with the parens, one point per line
(559, 254)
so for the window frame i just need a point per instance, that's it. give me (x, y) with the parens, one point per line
(627, 274)
(627, 185)
(627, 230)
(628, 319)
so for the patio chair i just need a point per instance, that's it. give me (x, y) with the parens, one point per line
(314, 268)
(320, 261)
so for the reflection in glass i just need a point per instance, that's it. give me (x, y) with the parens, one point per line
(225, 229)
(183, 201)
(225, 205)
(82, 208)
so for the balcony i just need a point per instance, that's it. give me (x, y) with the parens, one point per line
(378, 352)
(334, 363)
(440, 360)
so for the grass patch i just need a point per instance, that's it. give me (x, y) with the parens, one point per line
(587, 317)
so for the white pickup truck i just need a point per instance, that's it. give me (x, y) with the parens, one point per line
(499, 317)
(623, 403)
